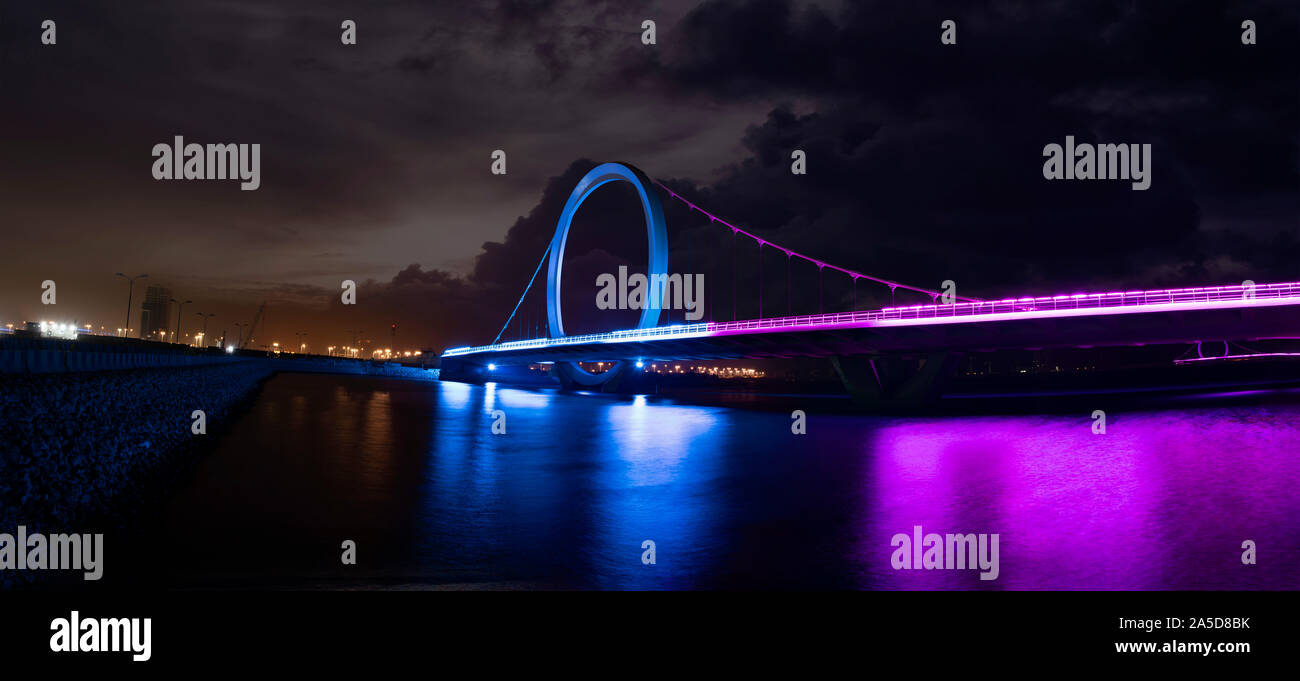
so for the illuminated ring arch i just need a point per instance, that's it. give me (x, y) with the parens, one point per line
(656, 233)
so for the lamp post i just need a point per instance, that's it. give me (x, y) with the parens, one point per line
(205, 317)
(130, 290)
(179, 306)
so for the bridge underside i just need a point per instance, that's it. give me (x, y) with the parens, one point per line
(920, 339)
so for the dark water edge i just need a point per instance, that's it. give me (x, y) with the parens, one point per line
(413, 474)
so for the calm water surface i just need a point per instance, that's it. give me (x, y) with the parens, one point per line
(414, 475)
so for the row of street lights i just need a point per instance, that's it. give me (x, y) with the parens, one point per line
(239, 326)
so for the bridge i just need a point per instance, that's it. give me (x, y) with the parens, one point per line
(895, 352)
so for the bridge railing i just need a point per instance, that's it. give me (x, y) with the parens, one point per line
(1080, 301)
(1077, 301)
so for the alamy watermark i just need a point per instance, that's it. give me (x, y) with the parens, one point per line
(1098, 162)
(36, 551)
(946, 552)
(77, 634)
(658, 291)
(181, 161)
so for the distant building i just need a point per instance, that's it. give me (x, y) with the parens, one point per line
(155, 314)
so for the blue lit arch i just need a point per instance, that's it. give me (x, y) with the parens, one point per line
(656, 233)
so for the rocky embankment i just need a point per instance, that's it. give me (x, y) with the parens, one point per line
(78, 448)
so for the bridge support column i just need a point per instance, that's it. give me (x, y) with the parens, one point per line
(894, 383)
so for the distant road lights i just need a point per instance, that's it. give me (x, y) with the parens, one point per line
(53, 330)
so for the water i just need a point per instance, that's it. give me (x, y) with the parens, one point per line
(414, 475)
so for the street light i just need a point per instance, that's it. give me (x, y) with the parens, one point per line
(179, 306)
(130, 290)
(205, 317)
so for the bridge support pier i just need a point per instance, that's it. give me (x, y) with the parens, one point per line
(573, 378)
(886, 383)
(457, 370)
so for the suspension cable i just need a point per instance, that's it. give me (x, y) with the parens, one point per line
(790, 252)
(521, 298)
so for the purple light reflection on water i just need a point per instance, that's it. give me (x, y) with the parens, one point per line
(1163, 500)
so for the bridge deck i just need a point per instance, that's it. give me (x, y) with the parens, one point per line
(1153, 316)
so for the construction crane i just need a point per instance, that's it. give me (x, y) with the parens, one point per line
(252, 328)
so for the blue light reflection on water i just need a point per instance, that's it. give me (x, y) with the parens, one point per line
(512, 504)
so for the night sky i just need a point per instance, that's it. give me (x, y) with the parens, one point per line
(924, 160)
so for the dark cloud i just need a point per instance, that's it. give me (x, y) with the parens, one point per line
(735, 48)
(416, 63)
(926, 164)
